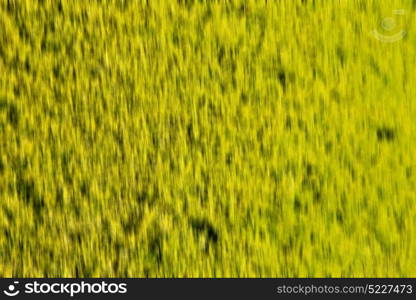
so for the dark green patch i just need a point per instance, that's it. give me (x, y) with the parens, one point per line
(386, 134)
(203, 226)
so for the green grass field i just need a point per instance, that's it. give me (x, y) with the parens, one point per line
(179, 138)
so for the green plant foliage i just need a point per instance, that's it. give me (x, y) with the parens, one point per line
(237, 138)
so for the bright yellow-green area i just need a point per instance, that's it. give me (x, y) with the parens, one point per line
(207, 138)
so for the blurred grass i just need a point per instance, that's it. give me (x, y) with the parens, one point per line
(206, 138)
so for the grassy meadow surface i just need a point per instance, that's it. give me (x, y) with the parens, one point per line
(185, 138)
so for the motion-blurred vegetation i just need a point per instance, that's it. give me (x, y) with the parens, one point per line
(207, 138)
